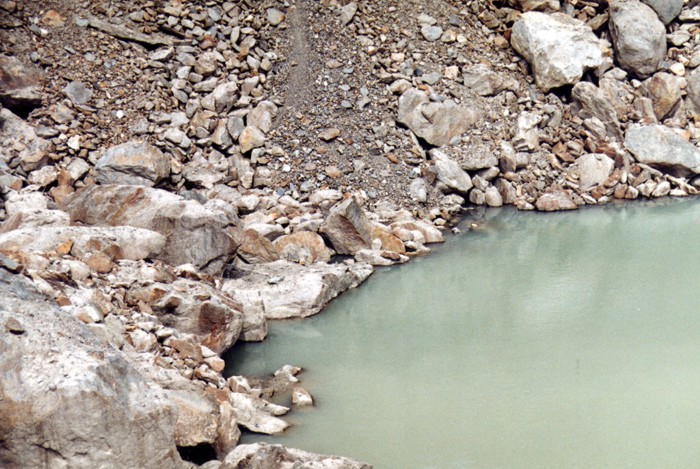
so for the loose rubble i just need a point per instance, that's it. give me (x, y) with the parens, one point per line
(175, 174)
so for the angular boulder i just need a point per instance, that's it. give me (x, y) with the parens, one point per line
(304, 247)
(18, 140)
(132, 163)
(283, 290)
(592, 169)
(347, 228)
(70, 399)
(194, 234)
(436, 123)
(559, 48)
(661, 147)
(693, 99)
(450, 173)
(664, 90)
(639, 37)
(20, 86)
(194, 308)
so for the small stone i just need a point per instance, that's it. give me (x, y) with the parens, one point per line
(274, 16)
(251, 138)
(13, 326)
(431, 33)
(347, 13)
(78, 93)
(329, 134)
(301, 397)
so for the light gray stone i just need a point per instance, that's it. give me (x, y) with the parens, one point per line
(667, 10)
(638, 35)
(133, 163)
(661, 147)
(558, 47)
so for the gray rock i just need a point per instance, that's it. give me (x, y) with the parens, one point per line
(667, 10)
(347, 13)
(262, 115)
(693, 99)
(94, 408)
(284, 289)
(661, 147)
(594, 102)
(592, 169)
(638, 35)
(450, 173)
(274, 16)
(436, 123)
(558, 47)
(18, 140)
(20, 85)
(419, 190)
(431, 33)
(222, 99)
(77, 92)
(263, 455)
(133, 163)
(303, 247)
(194, 234)
(482, 80)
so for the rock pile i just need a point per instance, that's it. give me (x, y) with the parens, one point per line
(175, 174)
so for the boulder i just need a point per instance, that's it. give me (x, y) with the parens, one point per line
(20, 86)
(436, 123)
(18, 140)
(284, 289)
(638, 35)
(194, 308)
(34, 219)
(258, 415)
(592, 169)
(424, 232)
(661, 147)
(132, 163)
(263, 455)
(119, 242)
(667, 10)
(664, 90)
(450, 173)
(256, 248)
(693, 100)
(555, 201)
(482, 80)
(593, 101)
(70, 399)
(559, 48)
(194, 234)
(347, 228)
(303, 247)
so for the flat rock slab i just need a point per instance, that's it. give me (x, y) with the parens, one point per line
(558, 47)
(661, 147)
(194, 233)
(285, 290)
(119, 242)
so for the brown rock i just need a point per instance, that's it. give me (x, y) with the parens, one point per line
(256, 249)
(304, 247)
(555, 201)
(348, 228)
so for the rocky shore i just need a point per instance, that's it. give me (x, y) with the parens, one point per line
(174, 174)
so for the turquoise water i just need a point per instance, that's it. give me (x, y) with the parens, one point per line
(566, 340)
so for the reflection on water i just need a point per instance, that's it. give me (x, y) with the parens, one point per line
(567, 340)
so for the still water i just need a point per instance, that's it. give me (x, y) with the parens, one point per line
(566, 340)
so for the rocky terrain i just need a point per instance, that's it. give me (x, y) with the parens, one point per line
(174, 174)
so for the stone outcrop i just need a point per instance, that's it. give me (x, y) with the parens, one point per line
(194, 233)
(558, 48)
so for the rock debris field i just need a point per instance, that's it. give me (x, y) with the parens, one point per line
(174, 174)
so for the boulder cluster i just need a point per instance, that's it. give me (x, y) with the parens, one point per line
(174, 174)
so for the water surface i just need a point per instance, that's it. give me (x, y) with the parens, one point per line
(566, 340)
